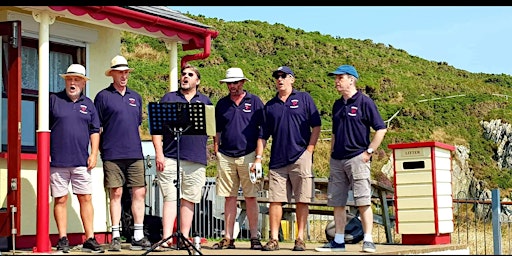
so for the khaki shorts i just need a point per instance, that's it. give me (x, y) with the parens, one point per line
(233, 172)
(349, 174)
(293, 181)
(79, 177)
(119, 172)
(192, 176)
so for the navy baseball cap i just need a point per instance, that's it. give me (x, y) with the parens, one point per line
(285, 70)
(345, 69)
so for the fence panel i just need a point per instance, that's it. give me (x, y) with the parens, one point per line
(472, 222)
(474, 226)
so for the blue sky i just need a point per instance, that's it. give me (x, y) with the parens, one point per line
(473, 38)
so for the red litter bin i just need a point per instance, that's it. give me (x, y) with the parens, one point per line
(423, 192)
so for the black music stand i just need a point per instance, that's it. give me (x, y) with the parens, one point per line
(178, 118)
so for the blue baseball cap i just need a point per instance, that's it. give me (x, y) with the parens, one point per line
(285, 70)
(345, 69)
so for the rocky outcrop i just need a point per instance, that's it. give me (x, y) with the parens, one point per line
(501, 134)
(463, 181)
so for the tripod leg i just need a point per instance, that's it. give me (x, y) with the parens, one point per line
(156, 245)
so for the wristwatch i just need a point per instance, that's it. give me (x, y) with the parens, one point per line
(369, 151)
(259, 157)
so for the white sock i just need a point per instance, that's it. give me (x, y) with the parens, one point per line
(138, 232)
(339, 238)
(368, 238)
(115, 231)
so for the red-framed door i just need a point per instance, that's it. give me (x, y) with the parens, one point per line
(10, 32)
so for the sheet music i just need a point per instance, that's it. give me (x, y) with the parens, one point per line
(210, 120)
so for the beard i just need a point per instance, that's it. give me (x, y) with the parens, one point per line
(74, 94)
(186, 87)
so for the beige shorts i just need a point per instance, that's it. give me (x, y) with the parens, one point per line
(233, 172)
(348, 174)
(292, 181)
(79, 177)
(192, 180)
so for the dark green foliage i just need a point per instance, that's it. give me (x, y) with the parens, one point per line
(421, 90)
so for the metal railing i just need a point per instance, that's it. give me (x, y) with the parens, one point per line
(209, 218)
(481, 222)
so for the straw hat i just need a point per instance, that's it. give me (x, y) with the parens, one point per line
(118, 63)
(233, 75)
(75, 70)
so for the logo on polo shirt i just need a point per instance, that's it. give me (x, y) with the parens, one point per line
(83, 109)
(295, 104)
(132, 102)
(247, 107)
(353, 111)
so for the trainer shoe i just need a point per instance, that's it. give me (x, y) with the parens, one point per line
(63, 244)
(142, 244)
(115, 245)
(369, 247)
(331, 246)
(91, 245)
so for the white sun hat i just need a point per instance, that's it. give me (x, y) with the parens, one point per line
(75, 70)
(233, 75)
(118, 63)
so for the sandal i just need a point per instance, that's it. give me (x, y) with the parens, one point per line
(299, 245)
(163, 247)
(224, 244)
(256, 244)
(272, 245)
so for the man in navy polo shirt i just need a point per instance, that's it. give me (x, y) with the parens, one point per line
(120, 112)
(293, 121)
(74, 124)
(193, 160)
(351, 150)
(238, 119)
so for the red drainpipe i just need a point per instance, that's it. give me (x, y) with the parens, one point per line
(201, 55)
(156, 20)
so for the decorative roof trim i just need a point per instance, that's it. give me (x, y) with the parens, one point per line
(195, 36)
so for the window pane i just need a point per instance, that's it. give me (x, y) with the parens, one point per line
(59, 63)
(29, 68)
(28, 124)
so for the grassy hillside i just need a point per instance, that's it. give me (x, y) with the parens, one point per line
(397, 81)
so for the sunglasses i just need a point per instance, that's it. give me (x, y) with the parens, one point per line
(236, 82)
(277, 76)
(191, 74)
